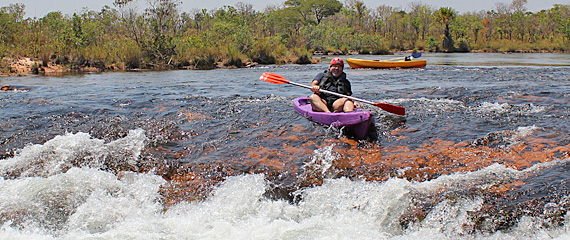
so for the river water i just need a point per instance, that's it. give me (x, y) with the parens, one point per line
(483, 153)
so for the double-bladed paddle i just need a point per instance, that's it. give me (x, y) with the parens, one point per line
(415, 55)
(278, 79)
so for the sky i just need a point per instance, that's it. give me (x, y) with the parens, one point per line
(39, 8)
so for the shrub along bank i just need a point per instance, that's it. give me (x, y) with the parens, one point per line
(162, 37)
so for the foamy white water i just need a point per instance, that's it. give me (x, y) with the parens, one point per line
(45, 199)
(520, 109)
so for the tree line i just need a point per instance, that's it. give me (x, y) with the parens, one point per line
(161, 36)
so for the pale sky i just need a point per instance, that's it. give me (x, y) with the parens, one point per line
(39, 8)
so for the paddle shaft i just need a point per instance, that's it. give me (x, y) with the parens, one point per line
(392, 59)
(332, 93)
(278, 79)
(415, 55)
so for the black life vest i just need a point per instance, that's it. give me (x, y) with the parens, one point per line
(340, 85)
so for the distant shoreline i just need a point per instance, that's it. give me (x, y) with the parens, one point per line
(24, 66)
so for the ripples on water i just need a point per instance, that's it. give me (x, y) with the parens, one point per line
(482, 153)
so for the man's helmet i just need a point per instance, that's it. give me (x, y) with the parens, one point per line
(337, 61)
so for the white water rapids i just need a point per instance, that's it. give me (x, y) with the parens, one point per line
(53, 201)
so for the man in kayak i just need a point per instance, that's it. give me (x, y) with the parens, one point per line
(333, 80)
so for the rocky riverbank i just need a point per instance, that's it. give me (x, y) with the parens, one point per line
(24, 66)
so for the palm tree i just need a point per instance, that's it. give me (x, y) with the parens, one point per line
(446, 16)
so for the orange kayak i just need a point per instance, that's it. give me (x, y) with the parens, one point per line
(363, 63)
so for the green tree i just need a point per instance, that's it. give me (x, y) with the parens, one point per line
(56, 27)
(313, 11)
(422, 18)
(475, 25)
(10, 18)
(355, 9)
(561, 16)
(446, 16)
(154, 30)
(519, 18)
(286, 21)
(382, 16)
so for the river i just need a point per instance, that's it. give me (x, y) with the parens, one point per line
(482, 153)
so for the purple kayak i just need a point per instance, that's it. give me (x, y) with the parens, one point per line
(356, 123)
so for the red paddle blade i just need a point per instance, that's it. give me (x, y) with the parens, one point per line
(391, 108)
(273, 78)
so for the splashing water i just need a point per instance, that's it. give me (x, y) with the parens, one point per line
(482, 154)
